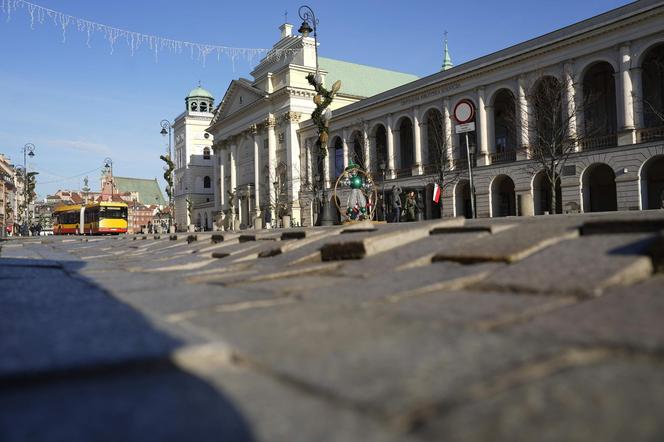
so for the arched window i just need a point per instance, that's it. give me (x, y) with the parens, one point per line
(204, 107)
(206, 182)
(436, 143)
(504, 112)
(653, 86)
(194, 106)
(599, 91)
(546, 98)
(206, 153)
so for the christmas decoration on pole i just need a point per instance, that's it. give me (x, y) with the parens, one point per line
(360, 204)
(134, 40)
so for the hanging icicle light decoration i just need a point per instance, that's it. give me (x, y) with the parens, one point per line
(135, 40)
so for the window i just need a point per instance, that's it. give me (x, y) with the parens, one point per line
(194, 106)
(206, 182)
(206, 153)
(203, 107)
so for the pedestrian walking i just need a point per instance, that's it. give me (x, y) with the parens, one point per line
(396, 203)
(411, 206)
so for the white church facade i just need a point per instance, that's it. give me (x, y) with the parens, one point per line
(266, 155)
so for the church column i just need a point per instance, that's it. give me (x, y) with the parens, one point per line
(270, 124)
(483, 140)
(368, 158)
(626, 108)
(257, 172)
(417, 142)
(447, 128)
(391, 173)
(222, 174)
(294, 168)
(233, 189)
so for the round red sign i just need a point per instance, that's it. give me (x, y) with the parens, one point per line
(464, 111)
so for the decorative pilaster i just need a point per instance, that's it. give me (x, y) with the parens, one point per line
(447, 132)
(391, 173)
(417, 142)
(626, 117)
(523, 127)
(344, 143)
(483, 139)
(368, 159)
(580, 117)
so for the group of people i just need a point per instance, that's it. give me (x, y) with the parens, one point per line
(407, 211)
(24, 229)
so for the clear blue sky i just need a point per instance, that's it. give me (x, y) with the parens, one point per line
(80, 104)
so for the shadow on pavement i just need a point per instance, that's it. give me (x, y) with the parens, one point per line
(78, 364)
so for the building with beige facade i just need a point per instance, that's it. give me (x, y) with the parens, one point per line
(264, 136)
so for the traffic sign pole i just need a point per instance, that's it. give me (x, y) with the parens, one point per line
(470, 179)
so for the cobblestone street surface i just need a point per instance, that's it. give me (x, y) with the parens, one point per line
(533, 329)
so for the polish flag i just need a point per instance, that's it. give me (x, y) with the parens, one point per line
(436, 193)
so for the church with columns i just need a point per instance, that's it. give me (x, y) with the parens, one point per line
(402, 129)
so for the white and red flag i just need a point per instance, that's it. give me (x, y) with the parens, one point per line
(436, 193)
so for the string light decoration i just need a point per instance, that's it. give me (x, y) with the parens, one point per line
(135, 40)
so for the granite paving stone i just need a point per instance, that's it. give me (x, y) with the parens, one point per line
(364, 355)
(583, 267)
(625, 316)
(509, 245)
(583, 403)
(469, 330)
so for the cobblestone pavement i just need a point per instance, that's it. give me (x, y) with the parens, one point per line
(538, 329)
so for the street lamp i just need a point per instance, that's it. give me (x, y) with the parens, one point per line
(28, 151)
(108, 164)
(309, 24)
(166, 131)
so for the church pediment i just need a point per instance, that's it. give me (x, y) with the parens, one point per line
(239, 95)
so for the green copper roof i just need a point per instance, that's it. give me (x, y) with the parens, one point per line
(148, 190)
(361, 80)
(199, 92)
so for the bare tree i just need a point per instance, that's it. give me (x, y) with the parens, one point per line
(553, 135)
(276, 187)
(439, 145)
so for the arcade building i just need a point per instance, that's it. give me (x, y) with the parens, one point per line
(609, 71)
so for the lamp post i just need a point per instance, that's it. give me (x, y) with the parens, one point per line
(309, 25)
(28, 151)
(166, 130)
(108, 164)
